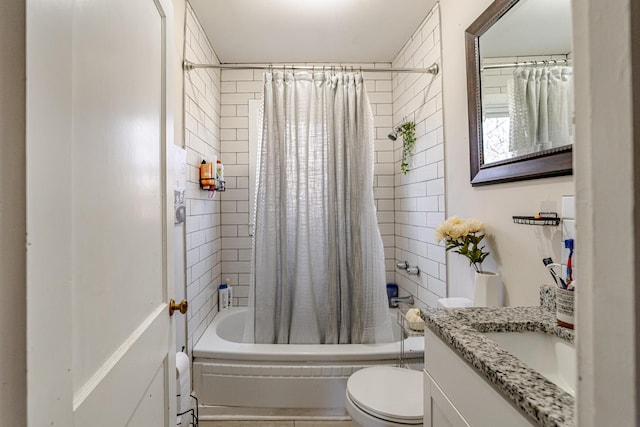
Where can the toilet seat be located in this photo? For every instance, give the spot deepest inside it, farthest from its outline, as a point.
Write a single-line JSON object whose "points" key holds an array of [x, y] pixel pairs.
{"points": [[387, 393], [454, 302]]}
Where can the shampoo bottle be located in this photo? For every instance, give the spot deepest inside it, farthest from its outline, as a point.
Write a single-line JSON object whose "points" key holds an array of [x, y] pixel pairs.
{"points": [[223, 297], [219, 170], [219, 176]]}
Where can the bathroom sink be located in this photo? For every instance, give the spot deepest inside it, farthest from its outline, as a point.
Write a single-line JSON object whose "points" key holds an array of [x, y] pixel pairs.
{"points": [[553, 357]]}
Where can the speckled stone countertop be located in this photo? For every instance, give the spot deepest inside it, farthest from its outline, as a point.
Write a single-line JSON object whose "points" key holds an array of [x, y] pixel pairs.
{"points": [[545, 403]]}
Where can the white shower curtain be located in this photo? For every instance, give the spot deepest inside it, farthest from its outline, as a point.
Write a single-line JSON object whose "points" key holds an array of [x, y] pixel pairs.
{"points": [[318, 263], [540, 108]]}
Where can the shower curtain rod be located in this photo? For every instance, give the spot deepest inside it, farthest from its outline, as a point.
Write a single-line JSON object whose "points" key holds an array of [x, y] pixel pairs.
{"points": [[534, 63], [433, 69]]}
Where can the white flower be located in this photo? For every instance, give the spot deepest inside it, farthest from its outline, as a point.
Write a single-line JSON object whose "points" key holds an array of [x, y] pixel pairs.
{"points": [[474, 225], [464, 237]]}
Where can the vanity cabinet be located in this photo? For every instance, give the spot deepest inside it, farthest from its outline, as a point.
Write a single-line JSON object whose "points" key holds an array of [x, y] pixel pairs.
{"points": [[438, 409], [456, 395]]}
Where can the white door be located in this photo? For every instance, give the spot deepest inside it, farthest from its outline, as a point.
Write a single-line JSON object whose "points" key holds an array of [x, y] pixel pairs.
{"points": [[100, 340]]}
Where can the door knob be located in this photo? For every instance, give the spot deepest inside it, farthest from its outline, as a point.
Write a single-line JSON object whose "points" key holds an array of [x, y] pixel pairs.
{"points": [[181, 306]]}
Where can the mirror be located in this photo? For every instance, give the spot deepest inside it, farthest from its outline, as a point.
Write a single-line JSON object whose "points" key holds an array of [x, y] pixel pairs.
{"points": [[520, 91]]}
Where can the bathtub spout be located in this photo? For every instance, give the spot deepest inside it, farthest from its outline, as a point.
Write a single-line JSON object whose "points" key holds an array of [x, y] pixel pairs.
{"points": [[393, 302]]}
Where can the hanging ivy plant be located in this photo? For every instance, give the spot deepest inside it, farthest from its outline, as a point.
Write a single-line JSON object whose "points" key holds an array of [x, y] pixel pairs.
{"points": [[408, 132]]}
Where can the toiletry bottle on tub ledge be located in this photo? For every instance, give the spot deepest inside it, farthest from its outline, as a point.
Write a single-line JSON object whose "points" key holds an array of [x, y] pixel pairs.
{"points": [[227, 282], [223, 297]]}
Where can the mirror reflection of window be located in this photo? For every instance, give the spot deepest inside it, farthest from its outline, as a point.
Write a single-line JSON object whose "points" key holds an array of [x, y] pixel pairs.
{"points": [[495, 118]]}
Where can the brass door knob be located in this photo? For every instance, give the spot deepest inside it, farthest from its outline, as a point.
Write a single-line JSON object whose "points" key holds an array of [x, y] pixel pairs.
{"points": [[181, 306]]}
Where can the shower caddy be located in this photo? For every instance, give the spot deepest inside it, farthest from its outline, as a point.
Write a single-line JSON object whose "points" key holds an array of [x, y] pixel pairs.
{"points": [[408, 329]]}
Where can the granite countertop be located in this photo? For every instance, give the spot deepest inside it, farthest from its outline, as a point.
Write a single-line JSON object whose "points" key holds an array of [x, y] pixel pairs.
{"points": [[545, 403]]}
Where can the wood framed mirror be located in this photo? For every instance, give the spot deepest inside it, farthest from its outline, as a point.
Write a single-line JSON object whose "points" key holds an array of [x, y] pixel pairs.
{"points": [[520, 91]]}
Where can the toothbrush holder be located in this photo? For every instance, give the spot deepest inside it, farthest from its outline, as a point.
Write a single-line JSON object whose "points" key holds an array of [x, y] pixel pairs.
{"points": [[565, 302]]}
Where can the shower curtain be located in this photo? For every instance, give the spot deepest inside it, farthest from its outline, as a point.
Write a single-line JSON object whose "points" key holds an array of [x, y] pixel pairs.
{"points": [[540, 108], [318, 263]]}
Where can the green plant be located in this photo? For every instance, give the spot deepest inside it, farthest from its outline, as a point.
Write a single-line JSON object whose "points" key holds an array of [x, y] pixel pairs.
{"points": [[408, 132]]}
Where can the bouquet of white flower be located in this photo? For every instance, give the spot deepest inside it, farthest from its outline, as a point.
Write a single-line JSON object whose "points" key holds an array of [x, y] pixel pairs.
{"points": [[464, 236]]}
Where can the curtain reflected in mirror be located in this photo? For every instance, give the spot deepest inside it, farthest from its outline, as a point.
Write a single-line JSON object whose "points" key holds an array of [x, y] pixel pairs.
{"points": [[530, 112]]}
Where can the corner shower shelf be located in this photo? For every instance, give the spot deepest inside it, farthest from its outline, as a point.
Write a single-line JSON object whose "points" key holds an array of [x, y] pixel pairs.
{"points": [[408, 329], [543, 218]]}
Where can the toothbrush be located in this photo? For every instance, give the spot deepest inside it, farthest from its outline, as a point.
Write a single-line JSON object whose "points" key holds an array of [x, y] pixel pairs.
{"points": [[561, 283], [568, 244], [548, 262]]}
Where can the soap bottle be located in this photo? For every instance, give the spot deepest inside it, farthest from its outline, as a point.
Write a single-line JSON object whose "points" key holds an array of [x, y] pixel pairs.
{"points": [[223, 297], [227, 283], [219, 176]]}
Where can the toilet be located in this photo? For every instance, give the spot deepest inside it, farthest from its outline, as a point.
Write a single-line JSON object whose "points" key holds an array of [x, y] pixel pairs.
{"points": [[486, 295], [385, 396]]}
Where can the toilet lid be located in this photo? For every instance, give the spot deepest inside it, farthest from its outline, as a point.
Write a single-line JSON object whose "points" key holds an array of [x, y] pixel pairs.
{"points": [[390, 393]]}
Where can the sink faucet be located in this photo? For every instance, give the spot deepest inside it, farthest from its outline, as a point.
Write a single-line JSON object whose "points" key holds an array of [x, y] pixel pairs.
{"points": [[393, 301]]}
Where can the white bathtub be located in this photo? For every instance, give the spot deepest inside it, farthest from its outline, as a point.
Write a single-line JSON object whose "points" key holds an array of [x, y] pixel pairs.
{"points": [[236, 380]]}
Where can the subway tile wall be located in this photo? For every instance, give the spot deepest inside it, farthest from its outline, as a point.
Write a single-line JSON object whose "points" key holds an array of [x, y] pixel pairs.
{"points": [[237, 87], [201, 137], [420, 194]]}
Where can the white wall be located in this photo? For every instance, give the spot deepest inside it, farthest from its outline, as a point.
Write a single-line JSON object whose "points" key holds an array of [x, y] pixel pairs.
{"points": [[201, 140], [516, 250], [420, 194], [607, 211], [237, 87], [13, 388]]}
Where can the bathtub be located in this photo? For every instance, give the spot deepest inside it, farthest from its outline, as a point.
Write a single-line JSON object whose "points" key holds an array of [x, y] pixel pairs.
{"points": [[237, 380]]}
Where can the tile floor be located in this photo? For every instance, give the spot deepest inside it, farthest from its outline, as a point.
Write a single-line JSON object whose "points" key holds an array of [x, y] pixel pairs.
{"points": [[277, 424]]}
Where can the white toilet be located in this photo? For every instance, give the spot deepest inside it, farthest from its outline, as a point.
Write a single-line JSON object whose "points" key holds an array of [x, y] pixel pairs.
{"points": [[487, 295], [385, 396]]}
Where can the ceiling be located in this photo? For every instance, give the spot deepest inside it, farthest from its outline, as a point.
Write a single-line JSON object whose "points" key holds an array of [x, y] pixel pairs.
{"points": [[531, 27], [281, 31]]}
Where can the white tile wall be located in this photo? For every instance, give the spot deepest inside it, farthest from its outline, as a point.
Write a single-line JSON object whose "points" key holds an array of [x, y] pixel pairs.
{"points": [[203, 231], [419, 195], [236, 88]]}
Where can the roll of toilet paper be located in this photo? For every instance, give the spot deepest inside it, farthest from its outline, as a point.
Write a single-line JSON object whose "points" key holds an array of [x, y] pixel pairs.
{"points": [[183, 382]]}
